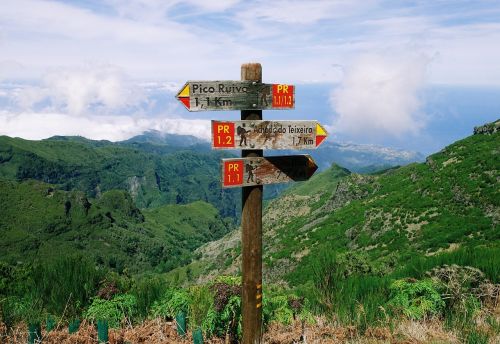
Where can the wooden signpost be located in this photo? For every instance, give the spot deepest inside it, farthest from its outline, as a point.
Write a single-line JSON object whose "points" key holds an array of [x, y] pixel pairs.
{"points": [[240, 172], [253, 170], [236, 95], [267, 134]]}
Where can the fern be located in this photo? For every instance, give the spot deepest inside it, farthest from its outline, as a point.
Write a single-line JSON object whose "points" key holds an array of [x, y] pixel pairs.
{"points": [[415, 299], [114, 311], [173, 302]]}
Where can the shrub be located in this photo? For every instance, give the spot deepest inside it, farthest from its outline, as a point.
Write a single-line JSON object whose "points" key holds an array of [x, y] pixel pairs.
{"points": [[172, 302], [415, 299], [16, 309], [200, 306], [277, 309], [223, 317], [284, 309], [76, 279], [147, 291], [463, 286], [114, 311]]}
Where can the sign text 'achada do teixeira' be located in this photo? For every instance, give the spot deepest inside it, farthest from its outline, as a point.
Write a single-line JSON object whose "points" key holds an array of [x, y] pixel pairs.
{"points": [[240, 172], [267, 134], [236, 95]]}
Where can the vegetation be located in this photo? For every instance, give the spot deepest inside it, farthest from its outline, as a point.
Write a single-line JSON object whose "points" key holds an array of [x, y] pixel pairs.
{"points": [[415, 299], [114, 311], [40, 222], [417, 243], [153, 174], [214, 307], [361, 249]]}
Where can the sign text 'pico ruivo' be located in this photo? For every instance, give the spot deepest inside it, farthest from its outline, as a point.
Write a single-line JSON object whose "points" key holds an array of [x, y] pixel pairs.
{"points": [[236, 95]]}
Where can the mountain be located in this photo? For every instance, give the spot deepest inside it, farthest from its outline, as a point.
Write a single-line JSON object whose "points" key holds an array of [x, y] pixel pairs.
{"points": [[153, 166], [159, 138], [362, 158], [40, 221], [446, 209], [154, 174], [139, 198], [144, 205]]}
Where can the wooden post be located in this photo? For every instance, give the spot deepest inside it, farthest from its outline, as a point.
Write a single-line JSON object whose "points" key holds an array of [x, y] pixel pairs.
{"points": [[251, 233]]}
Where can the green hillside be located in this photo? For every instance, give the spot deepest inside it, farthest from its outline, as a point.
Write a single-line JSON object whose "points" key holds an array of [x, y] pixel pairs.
{"points": [[421, 215], [39, 222], [448, 205], [414, 249], [153, 174]]}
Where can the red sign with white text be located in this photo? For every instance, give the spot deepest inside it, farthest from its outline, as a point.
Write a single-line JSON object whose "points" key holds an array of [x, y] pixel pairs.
{"points": [[233, 172], [283, 96], [223, 134]]}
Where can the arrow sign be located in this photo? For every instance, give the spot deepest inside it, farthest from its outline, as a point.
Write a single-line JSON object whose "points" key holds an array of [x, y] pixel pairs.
{"points": [[267, 134], [236, 95], [269, 170]]}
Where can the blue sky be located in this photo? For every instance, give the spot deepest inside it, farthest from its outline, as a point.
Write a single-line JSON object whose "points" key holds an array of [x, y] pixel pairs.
{"points": [[384, 72]]}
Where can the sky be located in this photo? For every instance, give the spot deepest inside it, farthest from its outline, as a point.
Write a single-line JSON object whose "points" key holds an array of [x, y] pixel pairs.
{"points": [[409, 74]]}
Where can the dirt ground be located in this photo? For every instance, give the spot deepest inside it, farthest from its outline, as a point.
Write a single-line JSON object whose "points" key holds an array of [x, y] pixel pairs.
{"points": [[162, 332]]}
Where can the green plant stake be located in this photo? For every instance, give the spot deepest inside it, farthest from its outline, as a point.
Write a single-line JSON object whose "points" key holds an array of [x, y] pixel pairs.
{"points": [[74, 326], [180, 319], [34, 333], [197, 336], [102, 331], [50, 323]]}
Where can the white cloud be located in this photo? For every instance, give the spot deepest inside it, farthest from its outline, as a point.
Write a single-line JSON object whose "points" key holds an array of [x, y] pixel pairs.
{"points": [[180, 40], [41, 35], [379, 95], [76, 91], [37, 126]]}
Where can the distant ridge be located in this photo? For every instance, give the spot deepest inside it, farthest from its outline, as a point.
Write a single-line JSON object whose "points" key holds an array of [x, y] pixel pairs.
{"points": [[363, 158], [157, 137]]}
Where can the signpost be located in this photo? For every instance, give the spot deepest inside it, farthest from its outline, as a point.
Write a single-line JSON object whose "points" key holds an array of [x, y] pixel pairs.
{"points": [[251, 233], [236, 95], [270, 170], [267, 134], [253, 170]]}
